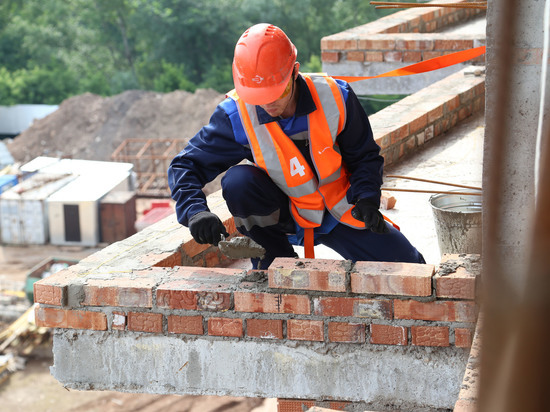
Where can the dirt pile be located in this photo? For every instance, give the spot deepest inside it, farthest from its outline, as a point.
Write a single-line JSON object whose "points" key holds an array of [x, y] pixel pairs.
{"points": [[91, 127]]}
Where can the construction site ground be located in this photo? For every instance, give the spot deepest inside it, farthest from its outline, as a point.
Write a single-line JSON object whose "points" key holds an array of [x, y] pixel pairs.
{"points": [[455, 157]]}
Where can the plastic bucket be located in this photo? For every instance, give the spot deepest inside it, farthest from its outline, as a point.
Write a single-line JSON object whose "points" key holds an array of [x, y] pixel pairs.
{"points": [[457, 222]]}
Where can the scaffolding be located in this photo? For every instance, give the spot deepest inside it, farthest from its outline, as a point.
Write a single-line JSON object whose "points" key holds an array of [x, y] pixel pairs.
{"points": [[151, 158]]}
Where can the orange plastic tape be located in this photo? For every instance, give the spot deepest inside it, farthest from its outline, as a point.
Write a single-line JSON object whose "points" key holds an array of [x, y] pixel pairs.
{"points": [[423, 66]]}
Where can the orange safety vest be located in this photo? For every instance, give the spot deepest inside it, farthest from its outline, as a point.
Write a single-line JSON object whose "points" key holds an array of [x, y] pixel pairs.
{"points": [[276, 154]]}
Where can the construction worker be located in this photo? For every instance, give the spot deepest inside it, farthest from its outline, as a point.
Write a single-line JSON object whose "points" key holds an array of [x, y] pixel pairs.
{"points": [[314, 170]]}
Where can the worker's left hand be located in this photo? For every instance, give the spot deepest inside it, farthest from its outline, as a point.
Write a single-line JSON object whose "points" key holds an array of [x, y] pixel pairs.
{"points": [[367, 212]]}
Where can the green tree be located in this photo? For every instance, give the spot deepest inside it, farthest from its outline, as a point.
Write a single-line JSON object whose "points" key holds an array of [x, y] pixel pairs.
{"points": [[108, 46]]}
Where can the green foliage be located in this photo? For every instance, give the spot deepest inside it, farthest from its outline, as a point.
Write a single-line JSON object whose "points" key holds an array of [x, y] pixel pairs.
{"points": [[52, 49], [314, 65], [172, 77]]}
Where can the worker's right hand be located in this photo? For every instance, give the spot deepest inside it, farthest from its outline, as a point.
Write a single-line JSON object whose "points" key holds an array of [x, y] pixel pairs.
{"points": [[206, 227]]}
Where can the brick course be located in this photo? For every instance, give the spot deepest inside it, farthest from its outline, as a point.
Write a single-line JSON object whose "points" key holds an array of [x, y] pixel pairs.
{"points": [[299, 300]]}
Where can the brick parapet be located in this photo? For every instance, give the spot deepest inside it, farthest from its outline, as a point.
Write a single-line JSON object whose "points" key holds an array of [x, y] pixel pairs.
{"points": [[295, 300], [405, 36], [405, 126]]}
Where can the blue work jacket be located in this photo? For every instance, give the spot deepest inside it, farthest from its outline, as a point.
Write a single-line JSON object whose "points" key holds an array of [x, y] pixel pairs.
{"points": [[223, 143]]}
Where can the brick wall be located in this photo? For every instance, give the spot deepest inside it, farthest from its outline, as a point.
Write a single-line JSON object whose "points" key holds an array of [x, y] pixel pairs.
{"points": [[302, 300], [405, 126], [406, 36]]}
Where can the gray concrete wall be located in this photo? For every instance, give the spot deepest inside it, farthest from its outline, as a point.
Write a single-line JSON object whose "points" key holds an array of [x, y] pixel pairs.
{"points": [[380, 376], [387, 85], [517, 139]]}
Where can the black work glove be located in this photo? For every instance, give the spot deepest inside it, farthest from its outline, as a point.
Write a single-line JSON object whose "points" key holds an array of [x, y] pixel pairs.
{"points": [[366, 211], [206, 227]]}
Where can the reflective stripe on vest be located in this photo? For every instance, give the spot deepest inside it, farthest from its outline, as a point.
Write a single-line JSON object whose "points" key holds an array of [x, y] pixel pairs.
{"points": [[278, 156]]}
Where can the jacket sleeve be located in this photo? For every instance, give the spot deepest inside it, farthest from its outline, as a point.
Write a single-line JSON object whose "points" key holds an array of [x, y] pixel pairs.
{"points": [[360, 152], [210, 152]]}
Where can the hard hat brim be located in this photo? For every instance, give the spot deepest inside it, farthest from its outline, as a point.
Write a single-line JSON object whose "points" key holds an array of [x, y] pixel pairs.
{"points": [[260, 95]]}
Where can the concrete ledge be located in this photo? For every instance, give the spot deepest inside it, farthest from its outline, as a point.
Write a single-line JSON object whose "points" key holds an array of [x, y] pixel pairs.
{"points": [[405, 378]]}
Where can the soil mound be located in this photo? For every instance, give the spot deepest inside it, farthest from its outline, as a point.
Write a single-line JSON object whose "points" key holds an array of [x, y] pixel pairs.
{"points": [[91, 127]]}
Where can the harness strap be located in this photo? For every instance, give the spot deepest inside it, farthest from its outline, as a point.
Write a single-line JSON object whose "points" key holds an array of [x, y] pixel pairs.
{"points": [[309, 252]]}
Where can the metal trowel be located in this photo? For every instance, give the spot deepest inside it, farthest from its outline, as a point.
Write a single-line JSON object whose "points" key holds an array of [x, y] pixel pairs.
{"points": [[241, 247]]}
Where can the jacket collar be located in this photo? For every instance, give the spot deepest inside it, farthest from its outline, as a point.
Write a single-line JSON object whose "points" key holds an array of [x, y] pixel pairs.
{"points": [[305, 104]]}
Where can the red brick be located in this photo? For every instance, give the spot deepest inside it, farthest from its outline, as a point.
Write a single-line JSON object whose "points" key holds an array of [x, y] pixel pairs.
{"points": [[444, 311], [479, 90], [452, 104], [145, 322], [205, 289], [225, 327], [50, 317], [62, 318], [388, 334], [466, 96], [294, 405], [177, 299], [374, 56], [391, 278], [431, 26], [53, 289], [463, 337], [346, 332], [272, 303], [412, 56], [435, 114], [356, 307], [305, 330], [453, 44], [400, 133], [456, 286], [50, 294], [134, 292], [355, 56], [393, 56], [265, 328], [418, 123], [330, 57], [376, 44], [212, 259], [430, 335], [465, 112], [414, 45], [190, 325], [119, 321], [387, 201], [308, 274], [192, 248], [83, 319]]}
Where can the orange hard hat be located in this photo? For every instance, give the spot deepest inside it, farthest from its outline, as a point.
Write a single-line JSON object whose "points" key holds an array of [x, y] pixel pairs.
{"points": [[263, 63]]}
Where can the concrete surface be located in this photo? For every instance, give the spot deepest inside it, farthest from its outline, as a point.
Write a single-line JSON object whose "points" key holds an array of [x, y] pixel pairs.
{"points": [[405, 377]]}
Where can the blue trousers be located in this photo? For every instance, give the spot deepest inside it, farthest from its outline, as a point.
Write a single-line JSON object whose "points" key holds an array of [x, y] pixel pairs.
{"points": [[261, 212]]}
